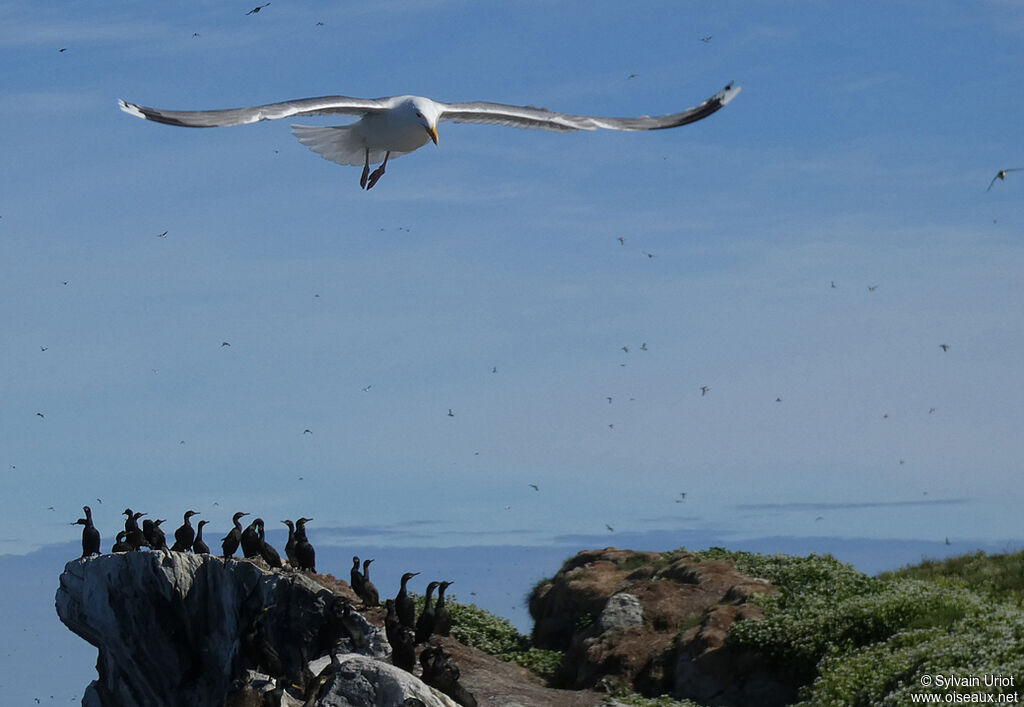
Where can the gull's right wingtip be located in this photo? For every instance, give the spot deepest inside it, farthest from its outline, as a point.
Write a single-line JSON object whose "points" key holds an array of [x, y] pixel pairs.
{"points": [[130, 108]]}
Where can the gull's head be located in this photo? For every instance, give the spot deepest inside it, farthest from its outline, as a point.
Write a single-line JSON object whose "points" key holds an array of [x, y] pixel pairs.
{"points": [[425, 113]]}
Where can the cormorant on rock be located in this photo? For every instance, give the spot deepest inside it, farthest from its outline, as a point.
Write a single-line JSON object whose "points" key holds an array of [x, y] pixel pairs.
{"points": [[90, 536], [251, 544], [133, 534], [185, 535], [289, 547], [425, 623], [403, 649], [304, 552], [258, 651], [199, 546], [157, 539], [441, 673], [391, 622], [352, 627], [356, 579], [230, 542], [442, 617], [370, 595], [267, 552], [404, 604], [120, 544]]}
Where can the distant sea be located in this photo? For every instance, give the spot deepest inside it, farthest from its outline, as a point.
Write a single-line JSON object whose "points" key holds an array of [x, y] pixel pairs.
{"points": [[41, 659]]}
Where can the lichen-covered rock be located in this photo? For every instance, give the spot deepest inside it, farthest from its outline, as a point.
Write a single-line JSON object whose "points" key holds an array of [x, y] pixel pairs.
{"points": [[358, 681]]}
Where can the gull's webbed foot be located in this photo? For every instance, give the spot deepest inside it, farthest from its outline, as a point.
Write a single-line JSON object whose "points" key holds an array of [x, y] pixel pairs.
{"points": [[366, 170], [378, 173]]}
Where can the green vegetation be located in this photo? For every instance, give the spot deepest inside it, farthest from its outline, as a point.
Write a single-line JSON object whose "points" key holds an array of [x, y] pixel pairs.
{"points": [[998, 576], [850, 639], [492, 634]]}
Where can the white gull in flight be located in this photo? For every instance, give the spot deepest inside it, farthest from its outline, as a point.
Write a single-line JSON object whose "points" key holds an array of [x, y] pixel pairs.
{"points": [[390, 127]]}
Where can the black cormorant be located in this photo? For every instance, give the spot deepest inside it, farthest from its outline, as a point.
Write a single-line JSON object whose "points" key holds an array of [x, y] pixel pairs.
{"points": [[251, 544], [267, 552], [230, 542], [120, 544], [370, 595], [199, 546], [391, 622], [403, 649], [304, 552], [185, 535], [133, 534], [425, 623], [90, 536], [157, 539], [442, 617], [404, 605], [355, 578], [439, 672], [289, 547]]}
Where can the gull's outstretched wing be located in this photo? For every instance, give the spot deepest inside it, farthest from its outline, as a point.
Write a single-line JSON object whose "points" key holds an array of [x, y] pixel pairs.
{"points": [[324, 105], [543, 119]]}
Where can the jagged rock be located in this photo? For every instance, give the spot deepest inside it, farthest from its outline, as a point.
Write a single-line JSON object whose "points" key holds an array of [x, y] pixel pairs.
{"points": [[358, 681], [173, 628], [655, 624]]}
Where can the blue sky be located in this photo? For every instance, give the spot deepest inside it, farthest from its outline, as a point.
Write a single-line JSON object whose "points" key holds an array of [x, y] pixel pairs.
{"points": [[485, 275]]}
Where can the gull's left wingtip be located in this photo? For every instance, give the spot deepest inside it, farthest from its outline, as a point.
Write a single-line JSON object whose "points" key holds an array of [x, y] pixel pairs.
{"points": [[728, 93], [130, 108]]}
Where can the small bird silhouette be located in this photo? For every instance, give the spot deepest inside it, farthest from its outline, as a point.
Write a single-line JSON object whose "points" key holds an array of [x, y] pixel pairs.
{"points": [[872, 288], [162, 235], [610, 528], [534, 487], [367, 388], [41, 415], [643, 346], [224, 343], [944, 347], [307, 431], [706, 39], [450, 413], [256, 9], [1001, 174], [43, 348], [704, 390], [626, 349], [622, 240]]}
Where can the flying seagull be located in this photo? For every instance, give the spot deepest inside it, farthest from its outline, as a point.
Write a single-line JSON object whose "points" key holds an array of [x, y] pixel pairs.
{"points": [[391, 127], [255, 10], [1001, 174]]}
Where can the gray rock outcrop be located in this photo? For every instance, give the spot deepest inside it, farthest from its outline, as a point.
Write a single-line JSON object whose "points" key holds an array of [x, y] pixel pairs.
{"points": [[179, 629]]}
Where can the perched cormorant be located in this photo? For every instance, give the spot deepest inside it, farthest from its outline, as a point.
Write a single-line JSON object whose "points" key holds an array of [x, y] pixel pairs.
{"points": [[258, 651], [404, 605], [352, 626], [425, 623], [442, 617], [356, 579], [251, 544], [185, 535], [157, 539], [305, 555], [90, 536], [120, 544], [403, 649], [230, 542], [199, 546], [391, 622], [267, 552], [289, 547], [370, 595], [439, 672], [133, 534]]}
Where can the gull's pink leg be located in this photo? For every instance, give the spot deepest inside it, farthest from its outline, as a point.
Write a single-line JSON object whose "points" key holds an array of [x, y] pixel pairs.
{"points": [[379, 172]]}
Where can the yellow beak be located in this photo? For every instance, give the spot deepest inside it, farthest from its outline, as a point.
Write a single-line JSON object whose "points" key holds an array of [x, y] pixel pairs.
{"points": [[432, 131]]}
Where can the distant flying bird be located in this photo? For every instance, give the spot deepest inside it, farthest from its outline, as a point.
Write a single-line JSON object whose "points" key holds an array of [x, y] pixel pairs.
{"points": [[43, 348], [626, 349], [256, 9], [706, 39], [195, 34], [1001, 174], [610, 528], [643, 346], [609, 399], [319, 24], [450, 413], [162, 235], [872, 288], [396, 125], [494, 369], [367, 388], [947, 541], [833, 284], [621, 240], [649, 255], [931, 410], [41, 415], [704, 390], [535, 487], [944, 347], [224, 343], [62, 50], [307, 431]]}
